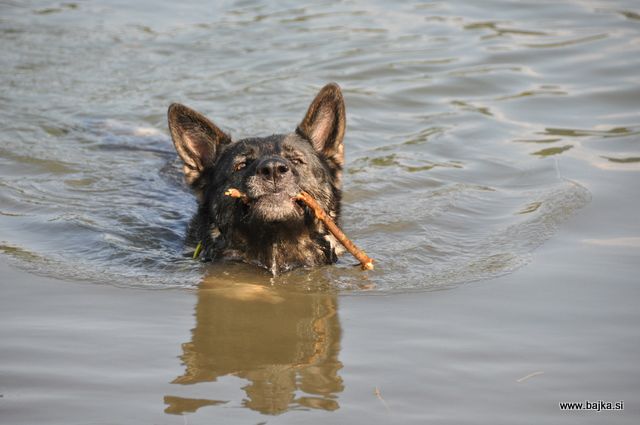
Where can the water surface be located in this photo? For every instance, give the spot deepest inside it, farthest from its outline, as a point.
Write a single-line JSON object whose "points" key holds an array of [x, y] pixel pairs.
{"points": [[492, 143]]}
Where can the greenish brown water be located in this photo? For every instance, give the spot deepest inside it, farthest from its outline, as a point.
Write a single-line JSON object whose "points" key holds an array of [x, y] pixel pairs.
{"points": [[492, 171]]}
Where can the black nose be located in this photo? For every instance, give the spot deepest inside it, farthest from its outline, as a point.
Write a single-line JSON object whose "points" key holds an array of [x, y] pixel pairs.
{"points": [[273, 168]]}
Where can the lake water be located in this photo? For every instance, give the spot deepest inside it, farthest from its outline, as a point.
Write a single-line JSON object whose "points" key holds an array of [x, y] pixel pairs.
{"points": [[492, 154]]}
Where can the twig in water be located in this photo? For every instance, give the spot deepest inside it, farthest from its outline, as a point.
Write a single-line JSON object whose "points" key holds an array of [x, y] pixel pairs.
{"points": [[531, 375], [376, 391]]}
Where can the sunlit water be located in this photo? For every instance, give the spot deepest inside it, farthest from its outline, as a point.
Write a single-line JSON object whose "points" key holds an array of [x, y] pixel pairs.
{"points": [[476, 133], [457, 126]]}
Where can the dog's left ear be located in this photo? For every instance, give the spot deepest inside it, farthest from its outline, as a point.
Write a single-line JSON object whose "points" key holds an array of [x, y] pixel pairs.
{"points": [[325, 122], [196, 139]]}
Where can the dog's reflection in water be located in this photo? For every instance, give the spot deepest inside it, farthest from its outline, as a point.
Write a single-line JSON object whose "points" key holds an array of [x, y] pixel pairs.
{"points": [[285, 343]]}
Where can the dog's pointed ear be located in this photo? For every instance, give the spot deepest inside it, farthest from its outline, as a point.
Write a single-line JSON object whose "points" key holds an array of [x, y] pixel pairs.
{"points": [[325, 123], [196, 139]]}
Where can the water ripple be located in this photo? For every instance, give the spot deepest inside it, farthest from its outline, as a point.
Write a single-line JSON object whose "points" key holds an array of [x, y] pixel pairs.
{"points": [[458, 116]]}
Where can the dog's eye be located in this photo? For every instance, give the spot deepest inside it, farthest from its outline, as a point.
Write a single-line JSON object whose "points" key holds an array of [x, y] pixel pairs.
{"points": [[296, 161], [239, 166]]}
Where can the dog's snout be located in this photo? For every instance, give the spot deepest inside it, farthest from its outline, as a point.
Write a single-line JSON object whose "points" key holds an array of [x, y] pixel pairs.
{"points": [[273, 168]]}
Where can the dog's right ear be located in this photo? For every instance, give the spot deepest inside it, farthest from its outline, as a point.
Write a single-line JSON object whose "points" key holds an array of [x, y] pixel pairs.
{"points": [[197, 140]]}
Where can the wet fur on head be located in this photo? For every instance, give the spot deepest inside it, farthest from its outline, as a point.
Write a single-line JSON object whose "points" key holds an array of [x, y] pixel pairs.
{"points": [[271, 230]]}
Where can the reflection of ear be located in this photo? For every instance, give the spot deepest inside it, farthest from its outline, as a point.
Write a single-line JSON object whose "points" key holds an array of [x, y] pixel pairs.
{"points": [[325, 122], [195, 138]]}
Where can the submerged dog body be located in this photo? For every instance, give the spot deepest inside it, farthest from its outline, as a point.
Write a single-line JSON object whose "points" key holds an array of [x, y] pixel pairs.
{"points": [[271, 230]]}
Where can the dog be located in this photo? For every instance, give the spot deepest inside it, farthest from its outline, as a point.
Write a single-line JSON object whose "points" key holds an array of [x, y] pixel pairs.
{"points": [[271, 230]]}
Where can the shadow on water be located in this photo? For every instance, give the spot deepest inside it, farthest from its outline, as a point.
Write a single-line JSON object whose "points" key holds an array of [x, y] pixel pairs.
{"points": [[284, 343]]}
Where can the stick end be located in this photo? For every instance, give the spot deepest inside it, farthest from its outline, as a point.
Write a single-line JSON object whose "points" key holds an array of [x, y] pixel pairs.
{"points": [[368, 265]]}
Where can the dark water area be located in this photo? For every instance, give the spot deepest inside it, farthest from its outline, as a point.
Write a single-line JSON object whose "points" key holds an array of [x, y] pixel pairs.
{"points": [[492, 160]]}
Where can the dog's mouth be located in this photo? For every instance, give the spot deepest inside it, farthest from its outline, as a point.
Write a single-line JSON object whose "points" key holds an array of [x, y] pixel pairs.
{"points": [[276, 207]]}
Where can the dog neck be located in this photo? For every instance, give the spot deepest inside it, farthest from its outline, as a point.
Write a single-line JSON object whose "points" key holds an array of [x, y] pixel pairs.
{"points": [[276, 247], [280, 248]]}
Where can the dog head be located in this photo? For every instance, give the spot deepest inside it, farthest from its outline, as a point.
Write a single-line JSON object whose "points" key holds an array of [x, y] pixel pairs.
{"points": [[270, 171]]}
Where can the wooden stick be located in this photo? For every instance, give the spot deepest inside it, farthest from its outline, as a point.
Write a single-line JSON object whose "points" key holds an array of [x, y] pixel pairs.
{"points": [[366, 262], [235, 193]]}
